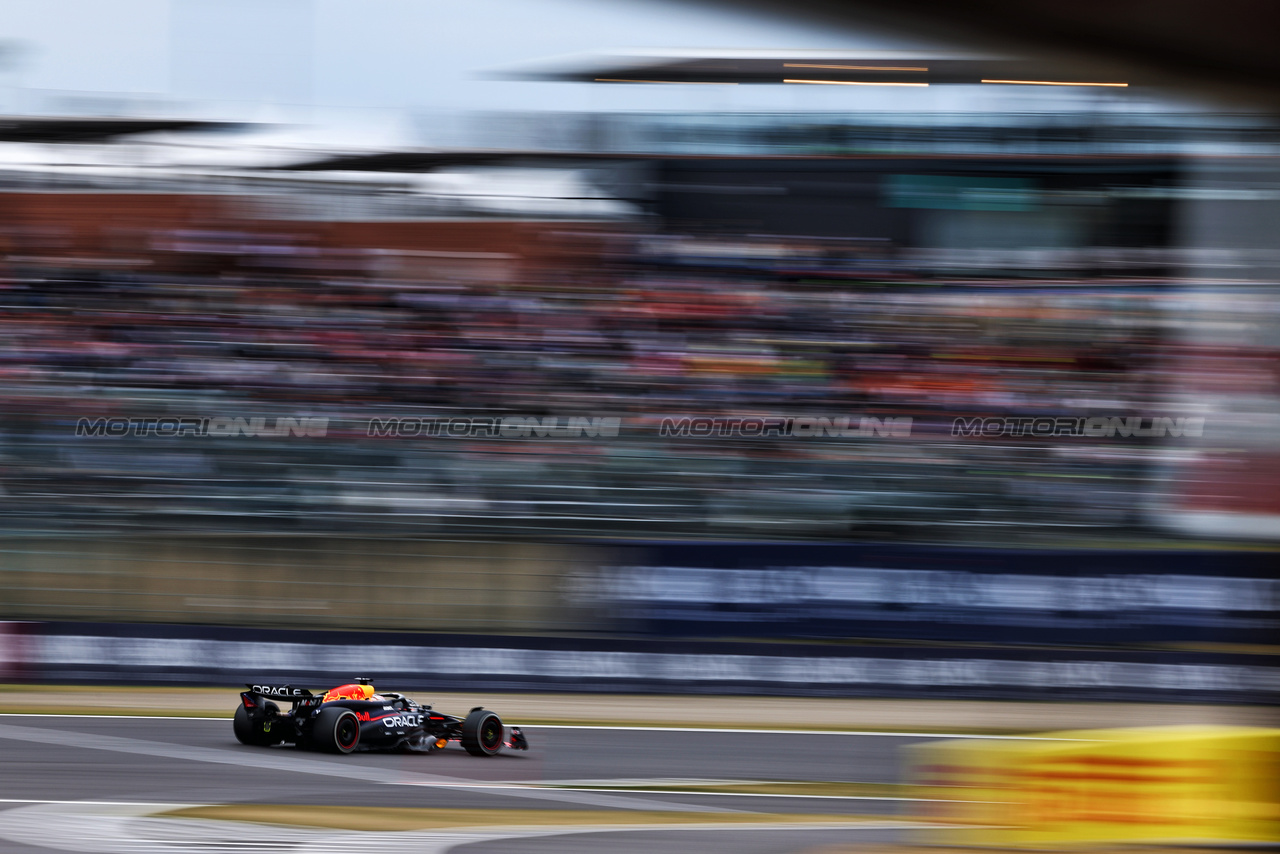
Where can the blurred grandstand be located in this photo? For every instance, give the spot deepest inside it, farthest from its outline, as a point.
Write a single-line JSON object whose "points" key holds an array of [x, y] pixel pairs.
{"points": [[886, 269]]}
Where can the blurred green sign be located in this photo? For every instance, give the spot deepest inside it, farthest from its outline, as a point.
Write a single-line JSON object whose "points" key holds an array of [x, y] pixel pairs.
{"points": [[959, 193]]}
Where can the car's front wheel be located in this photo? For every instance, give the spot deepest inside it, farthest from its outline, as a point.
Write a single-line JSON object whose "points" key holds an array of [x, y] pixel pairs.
{"points": [[482, 733], [336, 730]]}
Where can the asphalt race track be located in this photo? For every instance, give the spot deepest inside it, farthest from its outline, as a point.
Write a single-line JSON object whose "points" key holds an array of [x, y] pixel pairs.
{"points": [[86, 784]]}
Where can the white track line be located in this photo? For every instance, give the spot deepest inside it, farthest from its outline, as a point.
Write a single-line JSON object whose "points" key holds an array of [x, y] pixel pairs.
{"points": [[134, 829], [762, 731]]}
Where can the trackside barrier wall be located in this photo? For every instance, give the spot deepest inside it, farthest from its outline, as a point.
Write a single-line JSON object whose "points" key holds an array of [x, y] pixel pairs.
{"points": [[937, 593], [657, 589], [12, 651], [291, 581], [1179, 785], [210, 655]]}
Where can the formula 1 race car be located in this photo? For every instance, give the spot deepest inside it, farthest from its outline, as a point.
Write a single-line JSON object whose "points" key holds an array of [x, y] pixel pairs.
{"points": [[355, 717]]}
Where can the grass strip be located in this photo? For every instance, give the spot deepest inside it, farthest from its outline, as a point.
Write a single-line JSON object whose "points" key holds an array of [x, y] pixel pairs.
{"points": [[763, 787], [415, 818]]}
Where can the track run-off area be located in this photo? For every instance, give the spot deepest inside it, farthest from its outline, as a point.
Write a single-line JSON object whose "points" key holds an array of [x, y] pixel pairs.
{"points": [[164, 784], [796, 783]]}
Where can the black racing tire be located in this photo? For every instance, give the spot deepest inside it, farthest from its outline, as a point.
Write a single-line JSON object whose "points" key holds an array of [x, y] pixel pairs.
{"points": [[247, 732], [482, 733], [336, 730], [243, 726]]}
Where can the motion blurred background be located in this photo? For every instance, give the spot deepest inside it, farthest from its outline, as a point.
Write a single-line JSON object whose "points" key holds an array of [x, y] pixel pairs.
{"points": [[345, 240]]}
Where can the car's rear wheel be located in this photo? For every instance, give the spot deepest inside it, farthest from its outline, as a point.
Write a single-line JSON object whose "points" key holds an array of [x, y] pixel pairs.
{"points": [[254, 733], [243, 726], [482, 733], [336, 730]]}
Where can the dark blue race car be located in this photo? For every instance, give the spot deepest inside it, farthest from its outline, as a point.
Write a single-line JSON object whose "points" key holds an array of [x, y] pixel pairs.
{"points": [[356, 717]]}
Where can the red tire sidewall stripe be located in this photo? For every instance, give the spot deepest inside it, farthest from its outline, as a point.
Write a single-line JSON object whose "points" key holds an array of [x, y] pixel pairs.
{"points": [[351, 716]]}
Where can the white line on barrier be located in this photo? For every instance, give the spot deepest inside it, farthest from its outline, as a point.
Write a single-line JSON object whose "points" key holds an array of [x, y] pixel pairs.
{"points": [[90, 803], [110, 717]]}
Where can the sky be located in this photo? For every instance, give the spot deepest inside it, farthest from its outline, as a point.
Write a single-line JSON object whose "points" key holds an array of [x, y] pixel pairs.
{"points": [[418, 63]]}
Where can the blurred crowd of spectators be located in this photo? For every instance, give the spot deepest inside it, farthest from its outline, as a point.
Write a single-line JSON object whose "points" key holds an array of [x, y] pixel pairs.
{"points": [[242, 325]]}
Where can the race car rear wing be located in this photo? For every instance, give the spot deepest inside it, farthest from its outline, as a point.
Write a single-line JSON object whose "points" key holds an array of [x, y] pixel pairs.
{"points": [[282, 692]]}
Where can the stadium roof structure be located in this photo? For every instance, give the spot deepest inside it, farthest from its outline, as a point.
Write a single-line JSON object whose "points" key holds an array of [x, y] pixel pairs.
{"points": [[60, 129], [426, 160], [1222, 51], [848, 68]]}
